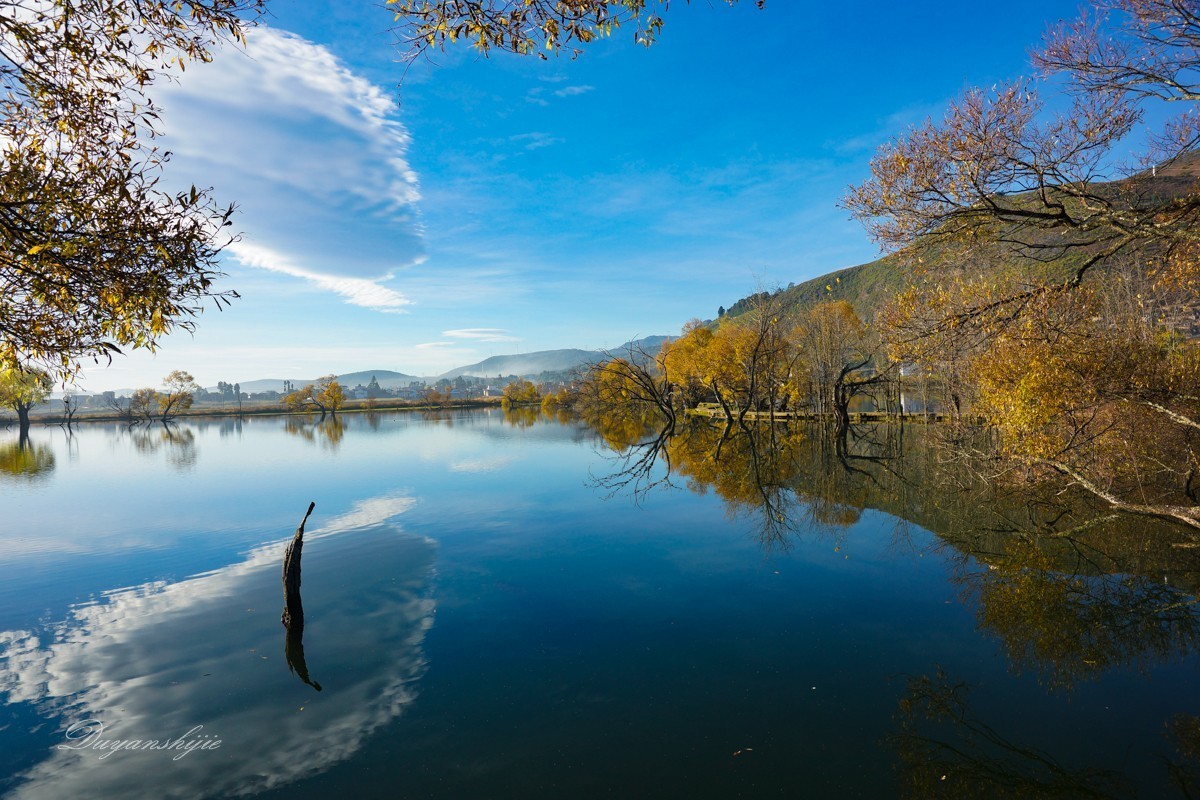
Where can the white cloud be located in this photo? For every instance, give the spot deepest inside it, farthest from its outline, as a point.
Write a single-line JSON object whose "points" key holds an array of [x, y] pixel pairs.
{"points": [[435, 345], [357, 291], [481, 334], [312, 154]]}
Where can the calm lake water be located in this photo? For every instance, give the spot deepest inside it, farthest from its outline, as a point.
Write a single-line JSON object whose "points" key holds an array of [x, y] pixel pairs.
{"points": [[490, 614]]}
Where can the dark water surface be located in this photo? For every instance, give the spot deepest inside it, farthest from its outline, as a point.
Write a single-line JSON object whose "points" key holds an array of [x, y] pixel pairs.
{"points": [[484, 621]]}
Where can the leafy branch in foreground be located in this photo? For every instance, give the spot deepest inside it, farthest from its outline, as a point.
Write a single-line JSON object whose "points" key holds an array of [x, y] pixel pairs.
{"points": [[94, 254], [523, 27]]}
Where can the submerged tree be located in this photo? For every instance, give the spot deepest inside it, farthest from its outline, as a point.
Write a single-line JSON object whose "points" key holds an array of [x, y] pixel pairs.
{"points": [[142, 404]]}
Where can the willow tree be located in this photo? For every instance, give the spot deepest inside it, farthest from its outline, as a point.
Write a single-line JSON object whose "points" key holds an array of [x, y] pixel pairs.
{"points": [[95, 255], [1039, 203]]}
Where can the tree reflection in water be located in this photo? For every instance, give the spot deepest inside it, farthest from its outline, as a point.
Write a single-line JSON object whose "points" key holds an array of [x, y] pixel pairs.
{"points": [[178, 444], [787, 479], [1071, 591], [945, 751], [25, 460], [522, 416], [328, 432], [1066, 626]]}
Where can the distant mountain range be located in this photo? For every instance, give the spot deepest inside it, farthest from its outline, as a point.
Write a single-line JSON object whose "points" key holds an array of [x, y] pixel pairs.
{"points": [[526, 364], [531, 364], [387, 380]]}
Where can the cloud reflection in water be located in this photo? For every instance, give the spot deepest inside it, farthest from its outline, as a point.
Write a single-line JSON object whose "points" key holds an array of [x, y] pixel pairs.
{"points": [[156, 660]]}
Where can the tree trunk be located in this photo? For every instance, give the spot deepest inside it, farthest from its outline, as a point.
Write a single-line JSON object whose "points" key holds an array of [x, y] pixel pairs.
{"points": [[293, 608], [721, 400]]}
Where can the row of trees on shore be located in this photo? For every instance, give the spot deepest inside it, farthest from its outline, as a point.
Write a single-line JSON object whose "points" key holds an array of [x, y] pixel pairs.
{"points": [[23, 389], [1096, 387]]}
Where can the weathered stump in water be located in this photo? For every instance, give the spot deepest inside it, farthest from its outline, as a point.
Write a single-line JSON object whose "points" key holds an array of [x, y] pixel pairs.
{"points": [[293, 608]]}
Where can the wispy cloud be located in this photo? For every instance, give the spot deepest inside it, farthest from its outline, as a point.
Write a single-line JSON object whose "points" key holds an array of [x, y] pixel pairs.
{"points": [[435, 345], [356, 291], [573, 91], [313, 155], [481, 334], [535, 140], [537, 95]]}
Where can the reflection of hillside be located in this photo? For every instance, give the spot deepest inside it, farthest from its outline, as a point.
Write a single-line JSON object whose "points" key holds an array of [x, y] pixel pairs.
{"points": [[154, 661]]}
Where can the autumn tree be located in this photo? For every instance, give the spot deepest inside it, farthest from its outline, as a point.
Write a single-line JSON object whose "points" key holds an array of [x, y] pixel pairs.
{"points": [[21, 390], [627, 387], [1078, 386], [744, 364], [690, 358], [434, 397], [143, 403], [330, 394], [94, 254], [761, 352], [521, 391], [838, 359], [326, 395], [178, 392]]}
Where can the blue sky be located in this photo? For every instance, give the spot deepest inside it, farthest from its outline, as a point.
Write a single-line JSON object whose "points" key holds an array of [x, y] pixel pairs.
{"points": [[420, 220]]}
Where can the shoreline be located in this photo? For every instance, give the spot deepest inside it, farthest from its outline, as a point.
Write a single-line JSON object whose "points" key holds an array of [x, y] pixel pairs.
{"points": [[354, 406]]}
